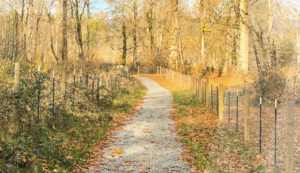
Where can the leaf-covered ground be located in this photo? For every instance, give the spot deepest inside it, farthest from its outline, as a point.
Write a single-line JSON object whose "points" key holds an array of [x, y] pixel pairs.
{"points": [[210, 146]]}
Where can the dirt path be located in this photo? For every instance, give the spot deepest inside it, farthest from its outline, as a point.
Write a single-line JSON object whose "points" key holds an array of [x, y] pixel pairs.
{"points": [[147, 143]]}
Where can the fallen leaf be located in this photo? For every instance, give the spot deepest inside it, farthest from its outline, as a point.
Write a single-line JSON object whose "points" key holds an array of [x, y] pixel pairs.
{"points": [[117, 151]]}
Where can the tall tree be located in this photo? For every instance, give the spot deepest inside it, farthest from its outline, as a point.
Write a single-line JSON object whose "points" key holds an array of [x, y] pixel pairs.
{"points": [[272, 50], [135, 34], [244, 38], [124, 34], [88, 30], [64, 47]]}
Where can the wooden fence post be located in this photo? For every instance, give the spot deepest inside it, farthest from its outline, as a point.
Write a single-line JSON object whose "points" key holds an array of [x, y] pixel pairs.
{"points": [[221, 90], [207, 93], [17, 78], [247, 121], [17, 89], [159, 71], [199, 89], [138, 70], [290, 108]]}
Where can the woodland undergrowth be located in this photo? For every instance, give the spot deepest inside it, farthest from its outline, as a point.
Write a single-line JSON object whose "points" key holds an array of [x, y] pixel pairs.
{"points": [[60, 141]]}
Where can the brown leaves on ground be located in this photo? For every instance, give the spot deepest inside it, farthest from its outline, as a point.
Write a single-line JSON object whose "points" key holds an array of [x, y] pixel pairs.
{"points": [[97, 156], [117, 151], [146, 130], [196, 128]]}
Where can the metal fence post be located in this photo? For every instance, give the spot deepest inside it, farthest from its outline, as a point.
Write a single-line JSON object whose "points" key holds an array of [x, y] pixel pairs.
{"points": [[275, 149], [74, 89], [260, 122], [212, 96], [247, 121], [38, 97], [207, 93], [221, 97], [229, 106], [237, 111], [53, 94]]}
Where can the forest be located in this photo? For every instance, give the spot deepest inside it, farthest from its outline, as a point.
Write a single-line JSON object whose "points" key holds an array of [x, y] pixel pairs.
{"points": [[73, 71]]}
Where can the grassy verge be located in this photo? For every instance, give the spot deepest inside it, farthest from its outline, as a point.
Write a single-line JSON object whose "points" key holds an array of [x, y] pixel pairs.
{"points": [[211, 147], [69, 139]]}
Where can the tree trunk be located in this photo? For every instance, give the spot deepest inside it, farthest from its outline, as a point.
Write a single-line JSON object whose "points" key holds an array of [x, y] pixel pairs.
{"points": [[124, 35], [203, 51], [244, 41], [135, 34], [272, 58], [124, 42], [178, 36], [79, 32], [64, 48], [149, 16], [88, 30]]}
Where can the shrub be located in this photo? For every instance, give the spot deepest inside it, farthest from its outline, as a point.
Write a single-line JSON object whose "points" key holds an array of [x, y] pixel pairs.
{"points": [[270, 85]]}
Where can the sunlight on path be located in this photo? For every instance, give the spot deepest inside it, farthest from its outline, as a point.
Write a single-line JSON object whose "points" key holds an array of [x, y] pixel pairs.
{"points": [[147, 143]]}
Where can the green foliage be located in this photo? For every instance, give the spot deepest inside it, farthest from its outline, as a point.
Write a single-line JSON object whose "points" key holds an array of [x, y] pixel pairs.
{"points": [[59, 142]]}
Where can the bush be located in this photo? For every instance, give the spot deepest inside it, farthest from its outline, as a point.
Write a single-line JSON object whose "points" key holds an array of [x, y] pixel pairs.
{"points": [[270, 85]]}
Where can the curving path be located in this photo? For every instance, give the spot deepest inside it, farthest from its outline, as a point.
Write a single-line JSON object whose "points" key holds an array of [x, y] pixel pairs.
{"points": [[148, 141]]}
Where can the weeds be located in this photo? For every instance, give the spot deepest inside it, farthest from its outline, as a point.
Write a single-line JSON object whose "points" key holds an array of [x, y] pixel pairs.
{"points": [[59, 143]]}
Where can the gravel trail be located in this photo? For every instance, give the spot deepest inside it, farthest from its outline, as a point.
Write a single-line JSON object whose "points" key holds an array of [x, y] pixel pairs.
{"points": [[148, 142]]}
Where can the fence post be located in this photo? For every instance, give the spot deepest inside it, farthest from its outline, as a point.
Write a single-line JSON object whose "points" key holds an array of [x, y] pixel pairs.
{"points": [[207, 93], [17, 89], [38, 98], [17, 78], [107, 82], [53, 94], [195, 81], [93, 86], [86, 84], [290, 108], [138, 70], [212, 95], [247, 121], [229, 106], [74, 89], [217, 106], [199, 89], [237, 111], [98, 87], [275, 149], [81, 80], [221, 97], [160, 71], [260, 122]]}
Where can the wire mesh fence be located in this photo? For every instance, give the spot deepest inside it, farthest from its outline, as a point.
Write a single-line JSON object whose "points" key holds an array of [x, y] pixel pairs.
{"points": [[267, 127], [30, 96]]}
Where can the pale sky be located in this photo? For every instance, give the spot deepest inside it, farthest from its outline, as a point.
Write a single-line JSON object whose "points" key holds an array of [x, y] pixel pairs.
{"points": [[97, 5]]}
